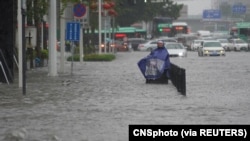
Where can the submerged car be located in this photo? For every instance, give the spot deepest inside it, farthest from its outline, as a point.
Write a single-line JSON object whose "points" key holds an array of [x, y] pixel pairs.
{"points": [[167, 39], [239, 44], [195, 44], [226, 44], [148, 46], [211, 48], [176, 49]]}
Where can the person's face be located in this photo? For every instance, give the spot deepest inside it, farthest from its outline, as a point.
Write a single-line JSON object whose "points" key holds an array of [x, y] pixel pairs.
{"points": [[160, 44]]}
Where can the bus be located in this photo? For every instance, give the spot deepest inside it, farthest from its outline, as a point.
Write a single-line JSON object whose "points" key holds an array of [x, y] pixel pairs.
{"points": [[242, 30], [129, 32], [179, 28], [162, 26], [165, 26]]}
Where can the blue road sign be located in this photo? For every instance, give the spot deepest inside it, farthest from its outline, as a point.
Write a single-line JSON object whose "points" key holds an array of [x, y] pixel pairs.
{"points": [[240, 9], [79, 10], [73, 31], [211, 14]]}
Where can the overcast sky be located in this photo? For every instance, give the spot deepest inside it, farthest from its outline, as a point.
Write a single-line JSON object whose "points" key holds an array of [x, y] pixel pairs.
{"points": [[196, 7]]}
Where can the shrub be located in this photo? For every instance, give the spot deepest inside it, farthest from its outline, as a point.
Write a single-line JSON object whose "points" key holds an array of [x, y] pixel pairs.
{"points": [[44, 54], [75, 58], [99, 57], [93, 57]]}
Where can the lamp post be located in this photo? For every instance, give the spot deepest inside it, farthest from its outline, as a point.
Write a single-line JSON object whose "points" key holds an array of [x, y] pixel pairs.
{"points": [[23, 8], [100, 24]]}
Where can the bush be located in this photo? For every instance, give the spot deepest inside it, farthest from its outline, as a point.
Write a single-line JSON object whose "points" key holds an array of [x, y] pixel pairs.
{"points": [[75, 58], [44, 54], [93, 57], [99, 57]]}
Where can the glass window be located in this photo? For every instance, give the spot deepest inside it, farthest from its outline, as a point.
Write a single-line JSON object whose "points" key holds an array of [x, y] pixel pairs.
{"points": [[212, 44]]}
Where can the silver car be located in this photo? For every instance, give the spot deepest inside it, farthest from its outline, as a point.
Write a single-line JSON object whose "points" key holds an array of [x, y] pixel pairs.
{"points": [[211, 48], [239, 44], [226, 44], [176, 49], [148, 46], [195, 44]]}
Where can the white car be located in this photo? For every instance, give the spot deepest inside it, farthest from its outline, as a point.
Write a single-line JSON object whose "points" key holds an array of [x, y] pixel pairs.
{"points": [[211, 48], [226, 44], [148, 46], [176, 49], [239, 44], [195, 44], [167, 39]]}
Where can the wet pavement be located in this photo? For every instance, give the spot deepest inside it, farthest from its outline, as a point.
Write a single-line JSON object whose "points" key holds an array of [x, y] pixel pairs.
{"points": [[100, 99]]}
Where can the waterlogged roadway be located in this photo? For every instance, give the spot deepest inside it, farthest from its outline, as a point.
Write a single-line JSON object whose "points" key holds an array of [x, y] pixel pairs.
{"points": [[100, 99]]}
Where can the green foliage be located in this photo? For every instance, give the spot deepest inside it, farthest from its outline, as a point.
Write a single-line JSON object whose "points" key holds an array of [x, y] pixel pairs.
{"points": [[99, 57], [75, 58], [89, 49], [142, 11], [44, 54], [77, 50], [65, 3], [93, 57]]}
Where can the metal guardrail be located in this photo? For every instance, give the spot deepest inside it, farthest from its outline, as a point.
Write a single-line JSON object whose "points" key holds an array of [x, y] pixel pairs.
{"points": [[4, 69], [178, 78], [5, 76]]}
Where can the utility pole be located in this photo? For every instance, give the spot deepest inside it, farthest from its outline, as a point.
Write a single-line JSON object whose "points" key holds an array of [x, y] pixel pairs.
{"points": [[52, 38], [23, 3], [20, 55], [100, 24], [62, 41]]}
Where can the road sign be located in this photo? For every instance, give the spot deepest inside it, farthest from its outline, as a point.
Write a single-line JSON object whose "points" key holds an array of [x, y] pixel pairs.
{"points": [[211, 14], [79, 10], [73, 31], [240, 9]]}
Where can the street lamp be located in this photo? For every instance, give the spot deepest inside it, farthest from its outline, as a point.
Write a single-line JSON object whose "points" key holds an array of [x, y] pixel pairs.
{"points": [[100, 25]]}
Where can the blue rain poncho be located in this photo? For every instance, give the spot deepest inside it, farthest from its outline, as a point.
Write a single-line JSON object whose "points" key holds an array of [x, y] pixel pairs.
{"points": [[155, 64]]}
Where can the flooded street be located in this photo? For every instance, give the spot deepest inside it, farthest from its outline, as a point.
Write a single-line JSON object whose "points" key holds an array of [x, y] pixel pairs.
{"points": [[100, 99]]}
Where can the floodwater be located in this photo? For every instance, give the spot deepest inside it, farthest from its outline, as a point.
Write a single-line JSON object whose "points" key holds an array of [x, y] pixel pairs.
{"points": [[100, 99]]}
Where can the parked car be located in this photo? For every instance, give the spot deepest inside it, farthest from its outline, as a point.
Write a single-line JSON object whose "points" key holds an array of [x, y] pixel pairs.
{"points": [[239, 44], [176, 49], [195, 44], [148, 46], [211, 48], [226, 44]]}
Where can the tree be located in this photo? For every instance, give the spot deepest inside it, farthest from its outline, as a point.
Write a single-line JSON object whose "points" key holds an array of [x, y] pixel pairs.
{"points": [[145, 11], [127, 13]]}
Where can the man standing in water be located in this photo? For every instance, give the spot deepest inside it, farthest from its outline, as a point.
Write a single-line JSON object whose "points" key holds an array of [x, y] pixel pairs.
{"points": [[155, 66]]}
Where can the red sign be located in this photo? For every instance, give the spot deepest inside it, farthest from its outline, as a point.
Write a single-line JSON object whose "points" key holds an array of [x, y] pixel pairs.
{"points": [[166, 29], [120, 35], [79, 10], [179, 28]]}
